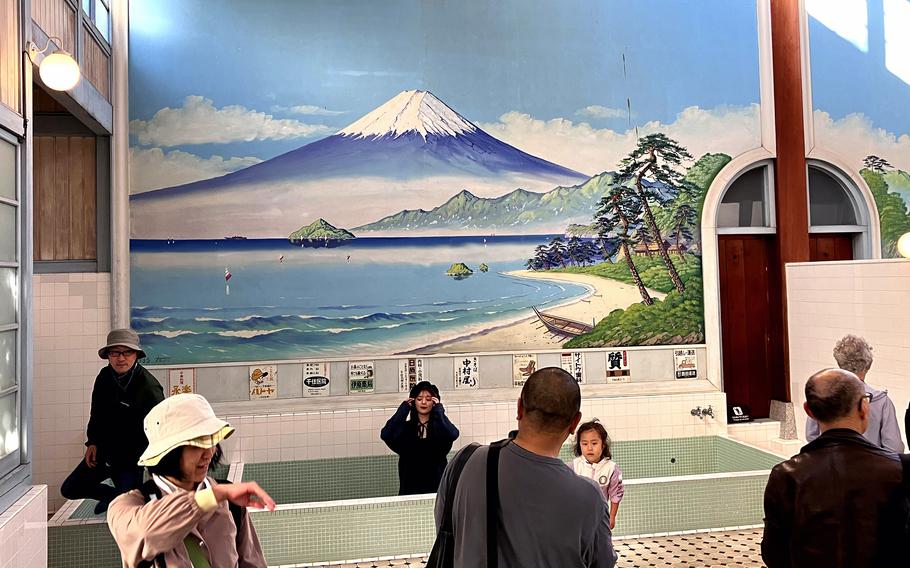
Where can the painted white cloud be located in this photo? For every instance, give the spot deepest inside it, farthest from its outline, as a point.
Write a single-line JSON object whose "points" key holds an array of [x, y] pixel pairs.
{"points": [[854, 137], [590, 150], [153, 168], [314, 110], [598, 111], [198, 121]]}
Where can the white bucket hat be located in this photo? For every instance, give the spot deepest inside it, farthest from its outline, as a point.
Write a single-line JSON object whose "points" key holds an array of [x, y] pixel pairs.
{"points": [[181, 420]]}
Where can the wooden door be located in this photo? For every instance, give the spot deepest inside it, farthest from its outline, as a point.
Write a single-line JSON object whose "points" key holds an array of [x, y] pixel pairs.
{"points": [[751, 322], [836, 246]]}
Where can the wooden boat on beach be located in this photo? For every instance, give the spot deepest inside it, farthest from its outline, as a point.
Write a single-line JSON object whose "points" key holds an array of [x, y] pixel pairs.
{"points": [[562, 326]]}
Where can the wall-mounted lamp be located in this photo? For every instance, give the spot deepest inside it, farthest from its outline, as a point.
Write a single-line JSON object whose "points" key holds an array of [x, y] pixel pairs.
{"points": [[58, 71], [903, 245]]}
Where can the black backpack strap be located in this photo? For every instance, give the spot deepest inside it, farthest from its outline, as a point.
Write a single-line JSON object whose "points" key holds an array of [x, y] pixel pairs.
{"points": [[457, 467], [150, 489], [493, 502]]}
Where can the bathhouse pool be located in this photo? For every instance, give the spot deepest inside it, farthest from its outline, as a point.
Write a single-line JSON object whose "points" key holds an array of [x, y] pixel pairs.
{"points": [[347, 508]]}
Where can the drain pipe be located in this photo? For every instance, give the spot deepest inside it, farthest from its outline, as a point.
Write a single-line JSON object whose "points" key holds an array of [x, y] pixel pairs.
{"points": [[120, 141]]}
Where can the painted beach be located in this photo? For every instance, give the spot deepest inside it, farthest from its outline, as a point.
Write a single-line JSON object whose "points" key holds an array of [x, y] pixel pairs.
{"points": [[372, 296]]}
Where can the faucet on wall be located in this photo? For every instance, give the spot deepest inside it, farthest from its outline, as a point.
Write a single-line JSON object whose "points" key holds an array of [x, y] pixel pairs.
{"points": [[702, 412]]}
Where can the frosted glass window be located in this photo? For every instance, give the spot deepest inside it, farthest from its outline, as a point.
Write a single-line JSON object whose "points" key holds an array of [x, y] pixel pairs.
{"points": [[743, 204], [829, 202], [7, 233], [7, 170], [9, 296], [9, 424], [7, 359]]}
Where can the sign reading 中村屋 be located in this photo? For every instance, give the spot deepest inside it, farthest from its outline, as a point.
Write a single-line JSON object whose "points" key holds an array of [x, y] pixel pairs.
{"points": [[618, 367], [523, 364], [410, 372], [685, 363], [361, 378], [574, 364], [467, 372], [316, 379], [263, 382], [181, 381]]}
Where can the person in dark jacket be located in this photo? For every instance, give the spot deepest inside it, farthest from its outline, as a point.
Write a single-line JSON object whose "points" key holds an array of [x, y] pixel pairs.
{"points": [[421, 434], [123, 394], [841, 502]]}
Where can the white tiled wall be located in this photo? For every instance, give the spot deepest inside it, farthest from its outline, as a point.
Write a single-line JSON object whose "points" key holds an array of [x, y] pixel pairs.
{"points": [[346, 433], [71, 319], [23, 531], [866, 298], [72, 315]]}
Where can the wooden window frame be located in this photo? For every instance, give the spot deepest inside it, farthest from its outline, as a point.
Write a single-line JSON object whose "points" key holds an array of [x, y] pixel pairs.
{"points": [[63, 126]]}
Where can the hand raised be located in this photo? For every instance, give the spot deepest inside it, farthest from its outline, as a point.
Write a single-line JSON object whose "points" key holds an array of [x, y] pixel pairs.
{"points": [[434, 400], [247, 494], [410, 401]]}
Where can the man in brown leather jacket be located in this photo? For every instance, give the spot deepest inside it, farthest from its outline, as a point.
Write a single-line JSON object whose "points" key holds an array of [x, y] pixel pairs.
{"points": [[841, 502]]}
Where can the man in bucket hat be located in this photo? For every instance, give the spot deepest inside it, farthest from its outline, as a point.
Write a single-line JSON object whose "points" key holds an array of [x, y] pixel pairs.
{"points": [[123, 394], [182, 517]]}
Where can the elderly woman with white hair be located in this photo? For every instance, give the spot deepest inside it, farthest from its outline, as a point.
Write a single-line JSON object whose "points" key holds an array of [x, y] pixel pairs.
{"points": [[182, 517], [854, 354]]}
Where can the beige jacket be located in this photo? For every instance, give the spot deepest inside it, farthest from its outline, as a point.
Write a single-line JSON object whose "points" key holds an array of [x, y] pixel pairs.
{"points": [[143, 530]]}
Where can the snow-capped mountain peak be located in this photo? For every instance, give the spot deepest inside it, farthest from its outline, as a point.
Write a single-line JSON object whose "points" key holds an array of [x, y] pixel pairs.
{"points": [[417, 111]]}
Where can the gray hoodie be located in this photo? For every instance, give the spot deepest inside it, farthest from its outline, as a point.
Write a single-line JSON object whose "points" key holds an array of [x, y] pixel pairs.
{"points": [[883, 430]]}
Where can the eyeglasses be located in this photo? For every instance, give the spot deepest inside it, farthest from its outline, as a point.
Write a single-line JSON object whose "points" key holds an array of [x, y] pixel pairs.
{"points": [[120, 353], [868, 396]]}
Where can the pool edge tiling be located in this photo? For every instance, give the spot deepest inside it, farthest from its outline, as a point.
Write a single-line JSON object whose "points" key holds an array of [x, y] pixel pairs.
{"points": [[334, 531]]}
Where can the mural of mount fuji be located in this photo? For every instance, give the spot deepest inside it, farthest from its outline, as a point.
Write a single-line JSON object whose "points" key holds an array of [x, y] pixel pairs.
{"points": [[326, 179], [413, 148]]}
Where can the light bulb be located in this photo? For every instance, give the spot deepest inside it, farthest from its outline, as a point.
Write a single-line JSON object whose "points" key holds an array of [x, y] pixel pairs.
{"points": [[59, 71], [903, 245]]}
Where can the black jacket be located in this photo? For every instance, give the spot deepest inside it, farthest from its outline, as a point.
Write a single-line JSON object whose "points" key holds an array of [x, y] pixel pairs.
{"points": [[118, 408], [841, 502], [421, 461]]}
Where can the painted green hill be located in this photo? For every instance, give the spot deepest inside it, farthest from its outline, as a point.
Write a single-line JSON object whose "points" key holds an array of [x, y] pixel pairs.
{"points": [[899, 182], [319, 230], [892, 207], [515, 210]]}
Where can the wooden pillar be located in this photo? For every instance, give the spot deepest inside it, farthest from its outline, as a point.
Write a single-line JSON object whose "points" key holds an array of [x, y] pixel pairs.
{"points": [[791, 195]]}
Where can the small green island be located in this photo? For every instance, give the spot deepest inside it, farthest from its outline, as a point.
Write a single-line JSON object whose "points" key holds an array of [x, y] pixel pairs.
{"points": [[459, 271], [319, 233]]}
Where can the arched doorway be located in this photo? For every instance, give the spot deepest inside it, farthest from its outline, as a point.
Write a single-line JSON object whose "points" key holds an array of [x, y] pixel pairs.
{"points": [[743, 322], [839, 220], [752, 332]]}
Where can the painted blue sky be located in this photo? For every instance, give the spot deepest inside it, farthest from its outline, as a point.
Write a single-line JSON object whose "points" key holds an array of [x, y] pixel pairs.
{"points": [[547, 59]]}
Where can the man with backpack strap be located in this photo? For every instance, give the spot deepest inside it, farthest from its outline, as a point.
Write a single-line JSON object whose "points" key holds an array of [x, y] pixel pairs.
{"points": [[545, 515]]}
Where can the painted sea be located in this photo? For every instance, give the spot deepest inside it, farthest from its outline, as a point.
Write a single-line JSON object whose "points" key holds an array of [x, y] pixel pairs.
{"points": [[374, 296]]}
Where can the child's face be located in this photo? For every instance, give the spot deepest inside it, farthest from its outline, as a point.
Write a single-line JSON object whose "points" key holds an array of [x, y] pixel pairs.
{"points": [[592, 447]]}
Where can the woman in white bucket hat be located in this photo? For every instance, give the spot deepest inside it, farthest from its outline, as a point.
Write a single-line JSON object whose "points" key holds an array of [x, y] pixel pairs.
{"points": [[182, 517]]}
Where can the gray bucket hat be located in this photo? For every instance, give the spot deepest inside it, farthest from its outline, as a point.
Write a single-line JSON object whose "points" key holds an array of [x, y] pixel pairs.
{"points": [[122, 338]]}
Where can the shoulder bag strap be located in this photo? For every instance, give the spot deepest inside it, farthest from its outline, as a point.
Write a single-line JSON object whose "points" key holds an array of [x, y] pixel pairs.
{"points": [[493, 503], [457, 467]]}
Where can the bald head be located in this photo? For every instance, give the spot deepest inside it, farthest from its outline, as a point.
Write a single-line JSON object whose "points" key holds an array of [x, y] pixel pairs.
{"points": [[833, 394], [551, 400]]}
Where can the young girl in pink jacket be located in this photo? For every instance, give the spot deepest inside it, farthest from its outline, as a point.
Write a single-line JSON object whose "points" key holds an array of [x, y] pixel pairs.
{"points": [[594, 460]]}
